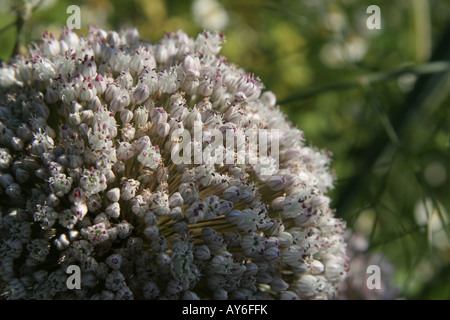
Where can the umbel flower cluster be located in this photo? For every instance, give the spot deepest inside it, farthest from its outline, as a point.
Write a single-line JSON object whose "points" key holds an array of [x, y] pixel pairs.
{"points": [[87, 178]]}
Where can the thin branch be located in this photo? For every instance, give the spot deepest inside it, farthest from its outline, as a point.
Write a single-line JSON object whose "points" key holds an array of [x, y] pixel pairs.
{"points": [[365, 80]]}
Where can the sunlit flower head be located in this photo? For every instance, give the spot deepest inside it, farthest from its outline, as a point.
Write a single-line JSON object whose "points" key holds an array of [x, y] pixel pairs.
{"points": [[90, 128]]}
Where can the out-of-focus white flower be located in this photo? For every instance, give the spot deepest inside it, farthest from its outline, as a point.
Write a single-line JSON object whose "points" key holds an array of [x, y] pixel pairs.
{"points": [[210, 14], [434, 216], [337, 54]]}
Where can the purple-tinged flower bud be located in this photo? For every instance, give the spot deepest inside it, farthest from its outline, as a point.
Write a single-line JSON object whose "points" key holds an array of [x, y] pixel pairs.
{"points": [[202, 253], [141, 94], [120, 101], [232, 194], [87, 92], [234, 217], [112, 91], [99, 84], [126, 116], [205, 88], [176, 200], [162, 129], [88, 67], [158, 115], [276, 183]]}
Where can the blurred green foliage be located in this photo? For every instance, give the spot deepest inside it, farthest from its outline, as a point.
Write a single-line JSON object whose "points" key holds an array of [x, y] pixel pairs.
{"points": [[378, 99]]}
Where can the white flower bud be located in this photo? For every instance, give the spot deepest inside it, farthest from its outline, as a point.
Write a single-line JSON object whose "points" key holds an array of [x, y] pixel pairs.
{"points": [[234, 217], [195, 212], [62, 242], [152, 232], [41, 143], [113, 194], [51, 96], [285, 239], [176, 214], [13, 190], [113, 210], [112, 91], [150, 219], [120, 101], [79, 209], [21, 175], [316, 267], [74, 119], [74, 235], [289, 295], [17, 144], [309, 285], [272, 254], [150, 157], [125, 151], [158, 115], [202, 253], [163, 259], [162, 129], [161, 54], [52, 200], [113, 38], [174, 287], [87, 92], [128, 132], [5, 159], [141, 94], [205, 88], [192, 66], [88, 67], [142, 143], [140, 117], [126, 116], [99, 84], [176, 200], [232, 194], [24, 132], [41, 173], [278, 203], [276, 183], [189, 295], [129, 189], [220, 294]]}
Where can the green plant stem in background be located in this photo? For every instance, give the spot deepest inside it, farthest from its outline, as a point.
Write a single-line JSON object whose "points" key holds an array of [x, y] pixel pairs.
{"points": [[425, 94], [364, 80]]}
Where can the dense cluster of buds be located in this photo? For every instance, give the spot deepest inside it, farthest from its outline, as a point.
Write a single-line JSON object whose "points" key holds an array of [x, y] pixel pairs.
{"points": [[87, 139]]}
